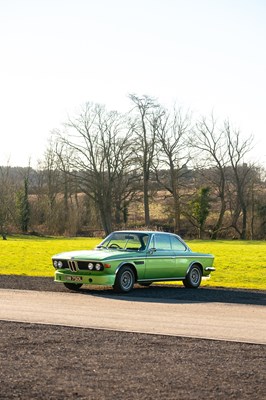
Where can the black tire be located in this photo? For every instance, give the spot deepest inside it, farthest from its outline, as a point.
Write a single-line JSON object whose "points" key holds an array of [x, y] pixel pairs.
{"points": [[193, 278], [124, 280], [73, 286]]}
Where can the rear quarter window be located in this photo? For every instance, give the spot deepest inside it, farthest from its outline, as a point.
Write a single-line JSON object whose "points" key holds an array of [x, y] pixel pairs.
{"points": [[162, 242], [177, 245]]}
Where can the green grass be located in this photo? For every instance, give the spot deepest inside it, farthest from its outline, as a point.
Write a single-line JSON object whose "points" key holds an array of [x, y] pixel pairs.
{"points": [[32, 256], [238, 264]]}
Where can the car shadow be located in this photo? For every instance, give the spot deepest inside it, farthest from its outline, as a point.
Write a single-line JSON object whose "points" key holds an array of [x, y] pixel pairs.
{"points": [[154, 293], [174, 294]]}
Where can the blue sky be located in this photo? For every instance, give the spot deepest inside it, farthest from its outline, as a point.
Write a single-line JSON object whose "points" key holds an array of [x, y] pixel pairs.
{"points": [[205, 55]]}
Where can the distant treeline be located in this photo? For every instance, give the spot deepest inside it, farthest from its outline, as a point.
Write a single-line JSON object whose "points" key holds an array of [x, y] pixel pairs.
{"points": [[149, 168]]}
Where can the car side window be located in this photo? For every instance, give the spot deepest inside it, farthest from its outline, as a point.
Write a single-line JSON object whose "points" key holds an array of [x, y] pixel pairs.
{"points": [[177, 245], [162, 242]]}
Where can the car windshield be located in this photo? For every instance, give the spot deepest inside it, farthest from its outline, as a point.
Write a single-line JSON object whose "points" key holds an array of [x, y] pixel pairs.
{"points": [[126, 241]]}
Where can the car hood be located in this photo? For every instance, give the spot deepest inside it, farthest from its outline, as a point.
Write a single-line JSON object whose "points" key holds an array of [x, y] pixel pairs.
{"points": [[97, 255]]}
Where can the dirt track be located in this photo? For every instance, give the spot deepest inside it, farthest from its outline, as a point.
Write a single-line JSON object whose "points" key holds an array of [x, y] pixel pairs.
{"points": [[50, 362]]}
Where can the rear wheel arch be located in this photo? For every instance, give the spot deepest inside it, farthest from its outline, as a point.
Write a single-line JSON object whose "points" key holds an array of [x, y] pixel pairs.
{"points": [[193, 276], [193, 264]]}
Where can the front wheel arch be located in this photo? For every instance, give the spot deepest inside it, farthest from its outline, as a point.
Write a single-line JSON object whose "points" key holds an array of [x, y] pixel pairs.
{"points": [[127, 264], [126, 277]]}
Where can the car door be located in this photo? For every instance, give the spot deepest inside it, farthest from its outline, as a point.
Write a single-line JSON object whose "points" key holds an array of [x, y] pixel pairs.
{"points": [[160, 259]]}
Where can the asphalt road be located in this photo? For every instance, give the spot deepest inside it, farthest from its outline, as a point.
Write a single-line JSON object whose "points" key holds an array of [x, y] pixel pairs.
{"points": [[220, 321]]}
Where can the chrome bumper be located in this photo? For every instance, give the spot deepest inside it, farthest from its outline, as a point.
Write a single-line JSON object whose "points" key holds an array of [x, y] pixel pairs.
{"points": [[209, 269]]}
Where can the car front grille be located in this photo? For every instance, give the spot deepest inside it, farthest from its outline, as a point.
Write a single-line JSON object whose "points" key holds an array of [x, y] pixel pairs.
{"points": [[74, 266]]}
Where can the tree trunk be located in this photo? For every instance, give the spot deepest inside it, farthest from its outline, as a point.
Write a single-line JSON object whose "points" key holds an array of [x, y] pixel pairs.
{"points": [[105, 210], [243, 235], [106, 221], [219, 222], [174, 184], [146, 199]]}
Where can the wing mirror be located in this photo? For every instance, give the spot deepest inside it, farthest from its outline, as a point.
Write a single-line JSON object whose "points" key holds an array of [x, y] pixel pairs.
{"points": [[152, 250]]}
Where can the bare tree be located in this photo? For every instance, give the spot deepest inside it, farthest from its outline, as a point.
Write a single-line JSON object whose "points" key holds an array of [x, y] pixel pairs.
{"points": [[145, 128], [211, 143], [241, 176], [71, 206], [24, 205], [48, 208], [99, 156], [51, 174], [173, 155]]}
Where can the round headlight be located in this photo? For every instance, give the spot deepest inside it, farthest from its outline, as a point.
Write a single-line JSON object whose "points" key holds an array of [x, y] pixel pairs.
{"points": [[60, 264], [98, 267], [55, 263], [90, 266]]}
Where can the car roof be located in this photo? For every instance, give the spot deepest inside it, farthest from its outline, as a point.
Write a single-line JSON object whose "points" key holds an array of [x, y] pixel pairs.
{"points": [[144, 232]]}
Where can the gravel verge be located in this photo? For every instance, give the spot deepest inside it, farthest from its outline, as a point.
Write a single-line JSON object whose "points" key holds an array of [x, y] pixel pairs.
{"points": [[55, 362]]}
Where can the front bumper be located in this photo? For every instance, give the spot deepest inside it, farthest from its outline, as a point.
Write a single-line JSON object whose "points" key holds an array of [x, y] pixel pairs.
{"points": [[67, 277]]}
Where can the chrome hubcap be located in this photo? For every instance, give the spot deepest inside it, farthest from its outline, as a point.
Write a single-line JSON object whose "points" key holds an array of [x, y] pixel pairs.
{"points": [[195, 276], [126, 280]]}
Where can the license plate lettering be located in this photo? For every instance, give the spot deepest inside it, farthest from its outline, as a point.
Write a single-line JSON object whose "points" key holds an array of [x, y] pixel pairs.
{"points": [[73, 278]]}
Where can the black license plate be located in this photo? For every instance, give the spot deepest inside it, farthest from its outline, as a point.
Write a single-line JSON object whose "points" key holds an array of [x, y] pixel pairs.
{"points": [[73, 278]]}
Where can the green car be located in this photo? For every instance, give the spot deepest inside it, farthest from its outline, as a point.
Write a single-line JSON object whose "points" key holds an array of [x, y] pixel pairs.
{"points": [[127, 257]]}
